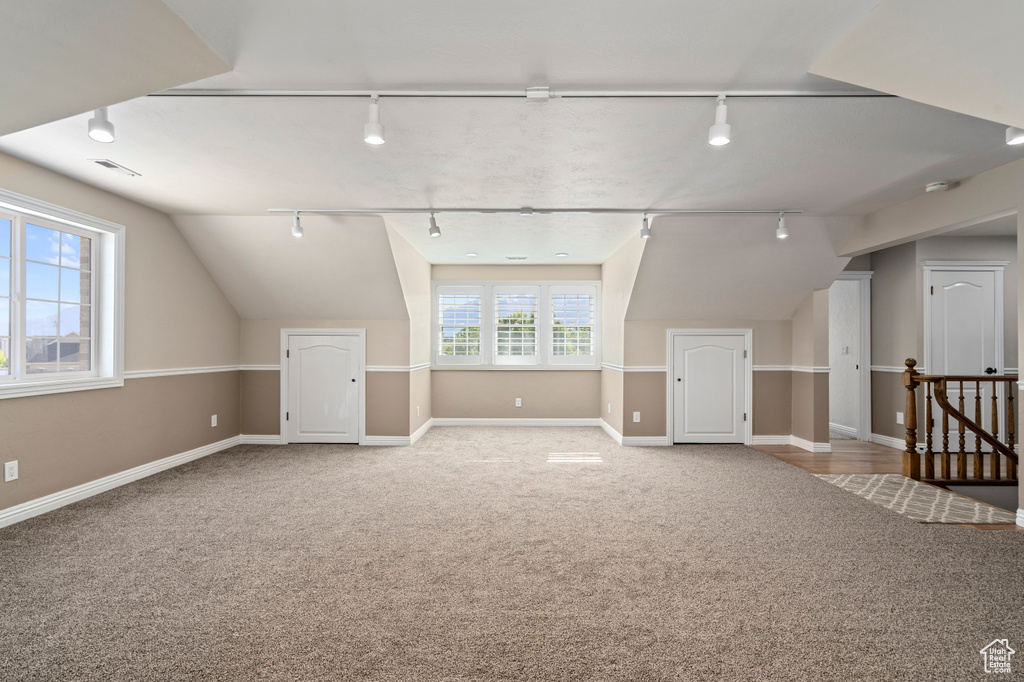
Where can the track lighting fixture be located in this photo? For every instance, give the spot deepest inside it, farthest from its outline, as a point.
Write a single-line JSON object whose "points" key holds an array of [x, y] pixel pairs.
{"points": [[435, 231], [296, 226], [781, 232], [645, 229], [100, 128], [721, 131], [1014, 135], [373, 132]]}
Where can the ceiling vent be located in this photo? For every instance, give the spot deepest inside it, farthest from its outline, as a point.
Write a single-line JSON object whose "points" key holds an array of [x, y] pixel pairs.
{"points": [[515, 257], [107, 163]]}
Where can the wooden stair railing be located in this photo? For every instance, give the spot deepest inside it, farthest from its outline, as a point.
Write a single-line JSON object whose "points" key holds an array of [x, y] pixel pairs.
{"points": [[937, 387]]}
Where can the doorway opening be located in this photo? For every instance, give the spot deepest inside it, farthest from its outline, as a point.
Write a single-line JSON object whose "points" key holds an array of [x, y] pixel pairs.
{"points": [[849, 341]]}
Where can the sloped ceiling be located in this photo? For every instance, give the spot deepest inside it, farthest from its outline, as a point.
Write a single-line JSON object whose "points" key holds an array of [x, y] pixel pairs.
{"points": [[733, 267], [342, 269], [961, 56], [63, 57]]}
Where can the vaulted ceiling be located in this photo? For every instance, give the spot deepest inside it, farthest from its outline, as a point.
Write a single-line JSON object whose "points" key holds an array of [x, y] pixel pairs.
{"points": [[212, 160]]}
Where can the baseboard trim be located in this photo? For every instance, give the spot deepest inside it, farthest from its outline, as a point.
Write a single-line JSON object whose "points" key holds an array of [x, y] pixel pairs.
{"points": [[1020, 517], [845, 430], [610, 430], [260, 439], [644, 441], [447, 421], [388, 440], [41, 505], [418, 433], [889, 441], [796, 441]]}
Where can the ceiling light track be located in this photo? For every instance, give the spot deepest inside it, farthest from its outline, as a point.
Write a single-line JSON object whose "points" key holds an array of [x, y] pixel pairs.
{"points": [[524, 93], [533, 211]]}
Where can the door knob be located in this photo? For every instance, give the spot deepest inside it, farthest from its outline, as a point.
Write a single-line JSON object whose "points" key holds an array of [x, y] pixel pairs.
{"points": [[678, 379], [353, 381], [990, 370]]}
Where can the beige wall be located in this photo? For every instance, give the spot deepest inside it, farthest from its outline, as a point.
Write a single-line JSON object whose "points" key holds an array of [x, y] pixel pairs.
{"points": [[646, 340], [387, 341], [387, 403], [104, 432], [611, 398], [260, 402], [491, 394], [175, 316], [510, 273], [419, 396], [810, 406], [810, 331], [772, 404], [887, 398], [646, 393], [618, 274], [895, 333], [414, 274]]}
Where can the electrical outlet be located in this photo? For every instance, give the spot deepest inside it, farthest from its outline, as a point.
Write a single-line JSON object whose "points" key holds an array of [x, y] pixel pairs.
{"points": [[609, 408], [519, 402], [636, 416], [899, 417], [10, 471], [213, 420], [417, 410]]}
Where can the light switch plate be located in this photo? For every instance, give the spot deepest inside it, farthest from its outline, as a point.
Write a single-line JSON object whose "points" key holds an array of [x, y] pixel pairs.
{"points": [[10, 471]]}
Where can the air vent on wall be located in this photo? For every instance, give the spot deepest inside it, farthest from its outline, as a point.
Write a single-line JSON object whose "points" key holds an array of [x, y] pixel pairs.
{"points": [[107, 163], [515, 257]]}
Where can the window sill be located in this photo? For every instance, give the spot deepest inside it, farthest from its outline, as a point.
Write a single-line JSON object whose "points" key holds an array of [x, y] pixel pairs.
{"points": [[24, 389]]}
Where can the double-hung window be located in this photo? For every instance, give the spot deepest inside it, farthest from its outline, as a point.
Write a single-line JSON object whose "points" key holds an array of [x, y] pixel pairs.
{"points": [[60, 300], [510, 325]]}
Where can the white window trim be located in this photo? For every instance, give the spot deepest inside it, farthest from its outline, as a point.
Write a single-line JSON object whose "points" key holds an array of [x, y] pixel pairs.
{"points": [[487, 360], [108, 299]]}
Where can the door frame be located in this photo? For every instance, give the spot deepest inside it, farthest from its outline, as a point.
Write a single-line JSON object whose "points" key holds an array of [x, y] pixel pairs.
{"points": [[996, 267], [864, 277], [360, 335], [748, 376]]}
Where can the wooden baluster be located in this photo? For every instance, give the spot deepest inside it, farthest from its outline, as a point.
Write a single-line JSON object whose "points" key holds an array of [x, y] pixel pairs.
{"points": [[994, 457], [978, 473], [1011, 421], [929, 424], [961, 456], [911, 460], [945, 445]]}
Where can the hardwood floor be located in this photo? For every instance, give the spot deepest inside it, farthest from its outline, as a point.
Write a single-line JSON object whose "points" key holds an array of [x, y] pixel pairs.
{"points": [[855, 457]]}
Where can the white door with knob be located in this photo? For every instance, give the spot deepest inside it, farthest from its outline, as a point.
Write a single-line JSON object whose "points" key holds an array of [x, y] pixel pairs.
{"points": [[964, 333], [708, 388], [323, 400]]}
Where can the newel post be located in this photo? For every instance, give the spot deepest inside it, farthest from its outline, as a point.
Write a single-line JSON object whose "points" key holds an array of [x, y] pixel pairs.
{"points": [[911, 459]]}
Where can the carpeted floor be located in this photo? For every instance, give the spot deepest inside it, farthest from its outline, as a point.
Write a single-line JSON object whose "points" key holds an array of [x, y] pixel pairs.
{"points": [[470, 557]]}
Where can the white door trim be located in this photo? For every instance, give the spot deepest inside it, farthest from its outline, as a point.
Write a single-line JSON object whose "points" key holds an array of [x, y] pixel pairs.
{"points": [[360, 334], [995, 267], [748, 376], [864, 277]]}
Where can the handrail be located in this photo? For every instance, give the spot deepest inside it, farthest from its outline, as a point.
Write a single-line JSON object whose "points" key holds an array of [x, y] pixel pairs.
{"points": [[912, 458]]}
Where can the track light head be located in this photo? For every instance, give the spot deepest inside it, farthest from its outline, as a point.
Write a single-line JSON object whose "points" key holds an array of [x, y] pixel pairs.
{"points": [[435, 231], [781, 232], [373, 131], [720, 132], [645, 229], [297, 226], [100, 128], [1014, 135]]}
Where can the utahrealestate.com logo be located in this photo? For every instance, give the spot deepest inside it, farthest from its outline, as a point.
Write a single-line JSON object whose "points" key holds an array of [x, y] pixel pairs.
{"points": [[997, 656]]}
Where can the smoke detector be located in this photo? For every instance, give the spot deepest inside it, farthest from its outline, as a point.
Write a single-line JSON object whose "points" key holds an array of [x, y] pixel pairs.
{"points": [[940, 186]]}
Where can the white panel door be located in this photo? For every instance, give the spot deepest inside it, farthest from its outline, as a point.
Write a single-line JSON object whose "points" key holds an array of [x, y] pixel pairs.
{"points": [[963, 336], [323, 389], [708, 389]]}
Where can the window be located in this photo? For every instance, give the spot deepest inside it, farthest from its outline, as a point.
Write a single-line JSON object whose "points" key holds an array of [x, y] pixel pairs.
{"points": [[499, 325], [60, 299]]}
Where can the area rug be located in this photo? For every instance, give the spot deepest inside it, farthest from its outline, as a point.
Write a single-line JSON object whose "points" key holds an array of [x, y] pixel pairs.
{"points": [[919, 501]]}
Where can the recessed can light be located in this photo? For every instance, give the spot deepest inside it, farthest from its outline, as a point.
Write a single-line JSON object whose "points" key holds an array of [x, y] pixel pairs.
{"points": [[471, 255], [561, 255]]}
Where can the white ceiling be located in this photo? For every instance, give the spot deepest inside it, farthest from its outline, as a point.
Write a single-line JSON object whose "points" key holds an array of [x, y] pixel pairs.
{"points": [[62, 57], [220, 158], [962, 56]]}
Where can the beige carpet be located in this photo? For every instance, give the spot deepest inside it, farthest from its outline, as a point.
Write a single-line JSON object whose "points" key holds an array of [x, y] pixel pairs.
{"points": [[470, 557], [916, 500]]}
